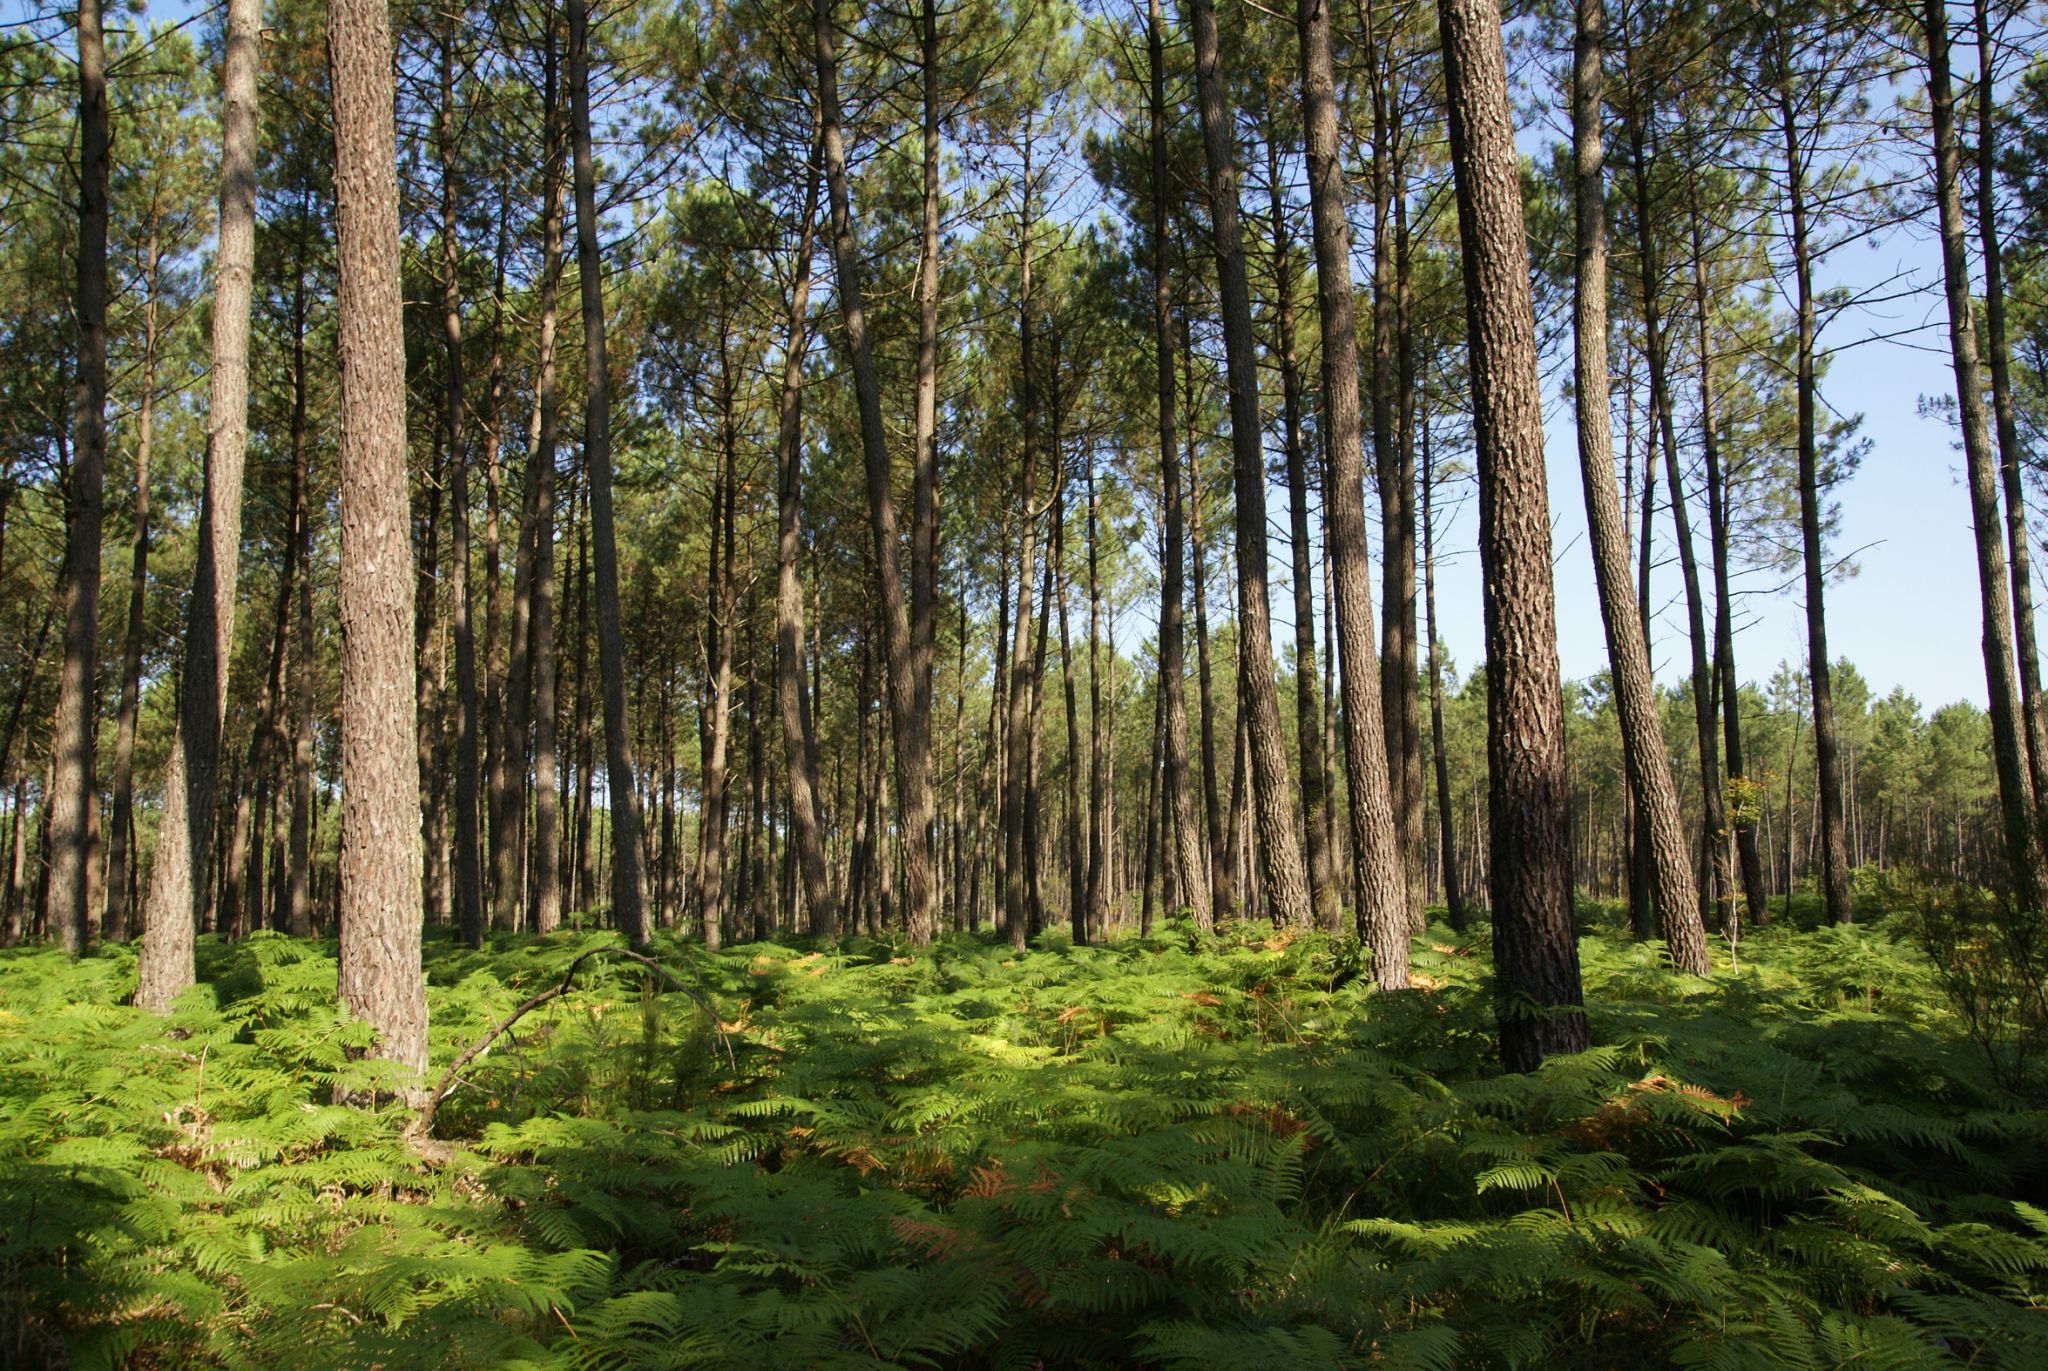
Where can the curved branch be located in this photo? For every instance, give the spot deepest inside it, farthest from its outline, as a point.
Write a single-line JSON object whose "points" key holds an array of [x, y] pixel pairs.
{"points": [[421, 1126]]}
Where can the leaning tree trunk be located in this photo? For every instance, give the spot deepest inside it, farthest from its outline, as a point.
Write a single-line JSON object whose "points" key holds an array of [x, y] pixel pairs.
{"points": [[1286, 888], [2011, 453], [1642, 729], [1536, 961], [177, 887], [2008, 741], [912, 733], [1196, 888], [380, 802], [1381, 873], [68, 808], [629, 880]]}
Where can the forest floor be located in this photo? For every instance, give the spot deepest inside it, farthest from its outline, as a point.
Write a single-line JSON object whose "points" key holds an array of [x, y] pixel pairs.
{"points": [[1174, 1151]]}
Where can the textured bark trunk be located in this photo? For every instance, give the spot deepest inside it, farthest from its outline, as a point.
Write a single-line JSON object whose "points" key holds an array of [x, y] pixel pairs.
{"points": [[1380, 871], [299, 862], [1536, 960], [1222, 877], [2008, 737], [184, 832], [380, 978], [1635, 693], [1286, 890], [1196, 886], [72, 731], [918, 837], [629, 881]]}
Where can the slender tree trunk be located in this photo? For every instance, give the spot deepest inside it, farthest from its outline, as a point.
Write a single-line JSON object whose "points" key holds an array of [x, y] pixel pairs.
{"points": [[380, 865], [2011, 452], [918, 836], [1222, 878], [1635, 693], [1381, 876], [185, 830], [2007, 728], [1020, 872], [629, 882], [114, 923], [1100, 765], [1536, 961], [1287, 892], [469, 906], [913, 733], [1834, 851], [799, 738], [1323, 890], [1454, 895], [1196, 886], [299, 864], [546, 899]]}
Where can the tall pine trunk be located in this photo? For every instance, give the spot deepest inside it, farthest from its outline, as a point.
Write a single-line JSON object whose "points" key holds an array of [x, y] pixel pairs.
{"points": [[380, 977], [1536, 961], [177, 888], [1380, 870], [1286, 890]]}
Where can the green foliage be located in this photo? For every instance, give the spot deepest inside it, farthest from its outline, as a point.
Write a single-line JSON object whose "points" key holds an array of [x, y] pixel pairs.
{"points": [[1178, 1152]]}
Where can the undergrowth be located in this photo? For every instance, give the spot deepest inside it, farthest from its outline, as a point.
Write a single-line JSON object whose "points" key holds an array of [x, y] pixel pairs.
{"points": [[1177, 1152]]}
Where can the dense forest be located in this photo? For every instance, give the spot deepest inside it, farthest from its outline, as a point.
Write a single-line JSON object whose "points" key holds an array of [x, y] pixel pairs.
{"points": [[739, 683]]}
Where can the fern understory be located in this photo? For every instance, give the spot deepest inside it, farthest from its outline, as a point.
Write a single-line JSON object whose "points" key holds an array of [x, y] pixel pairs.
{"points": [[1177, 1152]]}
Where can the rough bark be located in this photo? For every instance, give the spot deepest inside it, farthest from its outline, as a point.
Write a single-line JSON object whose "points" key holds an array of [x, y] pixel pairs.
{"points": [[1286, 889], [2008, 740], [1635, 694], [69, 849], [380, 977], [1536, 960], [177, 889], [1380, 871], [539, 649]]}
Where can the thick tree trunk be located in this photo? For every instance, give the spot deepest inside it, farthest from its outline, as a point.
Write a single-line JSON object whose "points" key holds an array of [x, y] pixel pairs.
{"points": [[913, 733], [1380, 876], [1635, 693], [380, 863], [185, 830], [1287, 891], [1536, 960], [2008, 738], [629, 881], [69, 850]]}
